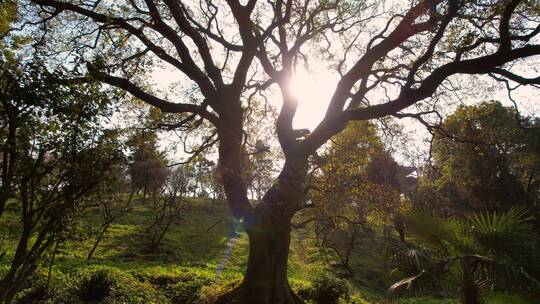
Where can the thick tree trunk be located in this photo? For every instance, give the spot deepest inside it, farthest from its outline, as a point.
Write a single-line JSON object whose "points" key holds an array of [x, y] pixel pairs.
{"points": [[267, 224], [470, 294], [269, 231], [265, 281]]}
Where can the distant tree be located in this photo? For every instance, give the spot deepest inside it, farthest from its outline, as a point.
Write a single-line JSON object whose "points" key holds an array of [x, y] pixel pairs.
{"points": [[357, 179], [485, 157], [200, 172], [147, 170], [260, 167], [260, 156], [216, 186], [113, 198], [388, 57], [172, 201], [55, 152]]}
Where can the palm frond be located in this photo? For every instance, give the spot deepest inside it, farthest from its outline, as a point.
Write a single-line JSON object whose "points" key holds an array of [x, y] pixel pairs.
{"points": [[408, 255], [434, 231], [502, 233], [409, 284]]}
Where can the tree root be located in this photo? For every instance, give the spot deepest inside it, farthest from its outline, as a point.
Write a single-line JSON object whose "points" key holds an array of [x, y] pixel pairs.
{"points": [[239, 296]]}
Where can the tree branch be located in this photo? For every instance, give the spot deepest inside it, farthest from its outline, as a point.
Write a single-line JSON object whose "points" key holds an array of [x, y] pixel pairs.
{"points": [[163, 105]]}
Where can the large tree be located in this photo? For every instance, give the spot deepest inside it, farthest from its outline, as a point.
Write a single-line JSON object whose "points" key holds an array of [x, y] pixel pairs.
{"points": [[389, 57]]}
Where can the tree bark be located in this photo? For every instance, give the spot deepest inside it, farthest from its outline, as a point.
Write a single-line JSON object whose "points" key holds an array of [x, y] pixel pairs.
{"points": [[265, 281], [269, 231], [470, 294]]}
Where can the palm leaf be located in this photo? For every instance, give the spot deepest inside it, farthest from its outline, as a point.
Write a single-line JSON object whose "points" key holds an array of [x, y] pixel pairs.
{"points": [[409, 284], [435, 232], [501, 234]]}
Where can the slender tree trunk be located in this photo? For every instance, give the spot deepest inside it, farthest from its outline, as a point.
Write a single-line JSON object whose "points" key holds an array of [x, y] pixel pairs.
{"points": [[8, 284], [348, 252], [51, 264], [156, 241], [144, 195], [469, 290], [9, 155], [98, 240]]}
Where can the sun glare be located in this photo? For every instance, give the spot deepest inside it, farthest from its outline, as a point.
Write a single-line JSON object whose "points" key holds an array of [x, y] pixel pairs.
{"points": [[313, 90]]}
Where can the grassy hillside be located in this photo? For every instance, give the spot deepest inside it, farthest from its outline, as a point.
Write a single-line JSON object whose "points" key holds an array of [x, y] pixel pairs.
{"points": [[202, 256]]}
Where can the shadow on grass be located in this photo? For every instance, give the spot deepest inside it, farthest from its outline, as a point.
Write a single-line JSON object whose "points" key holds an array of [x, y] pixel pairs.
{"points": [[198, 237]]}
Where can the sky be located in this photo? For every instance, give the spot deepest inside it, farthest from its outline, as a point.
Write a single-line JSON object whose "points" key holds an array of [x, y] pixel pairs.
{"points": [[314, 89]]}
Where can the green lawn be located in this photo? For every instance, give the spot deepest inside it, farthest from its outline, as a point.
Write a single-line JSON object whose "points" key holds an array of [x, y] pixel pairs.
{"points": [[196, 262]]}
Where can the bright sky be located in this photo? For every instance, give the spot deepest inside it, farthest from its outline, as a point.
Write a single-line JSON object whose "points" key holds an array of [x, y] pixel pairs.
{"points": [[314, 88]]}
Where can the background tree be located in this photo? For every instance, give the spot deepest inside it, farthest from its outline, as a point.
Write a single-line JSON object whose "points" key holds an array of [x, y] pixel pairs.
{"points": [[485, 157], [172, 201], [358, 182], [260, 166], [55, 153], [113, 198], [200, 171], [421, 45], [147, 171]]}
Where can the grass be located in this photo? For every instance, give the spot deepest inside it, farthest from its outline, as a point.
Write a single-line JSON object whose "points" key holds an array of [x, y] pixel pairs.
{"points": [[196, 257]]}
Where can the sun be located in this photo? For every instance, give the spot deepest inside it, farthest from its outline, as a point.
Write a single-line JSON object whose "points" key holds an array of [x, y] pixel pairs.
{"points": [[313, 90]]}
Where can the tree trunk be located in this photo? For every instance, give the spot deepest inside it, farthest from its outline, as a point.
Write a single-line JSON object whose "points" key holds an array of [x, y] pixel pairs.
{"points": [[51, 264], [265, 281], [470, 294], [268, 224], [98, 240]]}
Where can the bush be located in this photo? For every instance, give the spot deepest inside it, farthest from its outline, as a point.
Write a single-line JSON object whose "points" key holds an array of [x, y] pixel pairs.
{"points": [[185, 292], [114, 286], [209, 294], [98, 287], [178, 287], [34, 295], [327, 290]]}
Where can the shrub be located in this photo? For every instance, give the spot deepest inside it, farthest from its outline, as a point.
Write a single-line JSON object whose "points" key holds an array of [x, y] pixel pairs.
{"points": [[98, 287], [329, 290], [185, 292], [114, 286], [34, 295], [209, 294], [303, 290]]}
